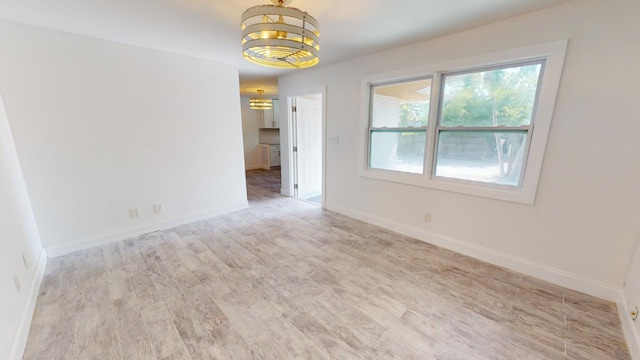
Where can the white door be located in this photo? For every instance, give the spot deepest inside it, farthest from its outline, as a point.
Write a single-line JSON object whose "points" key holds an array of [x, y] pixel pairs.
{"points": [[307, 130]]}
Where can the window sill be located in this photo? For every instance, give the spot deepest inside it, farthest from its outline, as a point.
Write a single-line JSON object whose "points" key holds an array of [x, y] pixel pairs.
{"points": [[496, 192]]}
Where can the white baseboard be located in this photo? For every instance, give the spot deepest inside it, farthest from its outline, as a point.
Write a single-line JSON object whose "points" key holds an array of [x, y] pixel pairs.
{"points": [[20, 341], [555, 276], [121, 234], [552, 275], [630, 328], [253, 167]]}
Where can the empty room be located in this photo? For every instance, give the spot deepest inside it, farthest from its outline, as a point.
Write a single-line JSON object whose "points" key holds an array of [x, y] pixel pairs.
{"points": [[296, 179]]}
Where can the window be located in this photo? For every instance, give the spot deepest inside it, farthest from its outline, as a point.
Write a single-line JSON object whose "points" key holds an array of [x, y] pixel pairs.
{"points": [[485, 123], [468, 129], [398, 127]]}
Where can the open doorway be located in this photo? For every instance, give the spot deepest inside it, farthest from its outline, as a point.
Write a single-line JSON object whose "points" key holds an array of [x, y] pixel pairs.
{"points": [[306, 114]]}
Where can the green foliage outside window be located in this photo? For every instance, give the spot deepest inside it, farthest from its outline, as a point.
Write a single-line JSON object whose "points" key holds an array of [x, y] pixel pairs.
{"points": [[414, 114], [491, 98]]}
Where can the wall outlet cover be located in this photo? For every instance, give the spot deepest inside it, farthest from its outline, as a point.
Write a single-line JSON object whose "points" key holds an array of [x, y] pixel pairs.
{"points": [[134, 213]]}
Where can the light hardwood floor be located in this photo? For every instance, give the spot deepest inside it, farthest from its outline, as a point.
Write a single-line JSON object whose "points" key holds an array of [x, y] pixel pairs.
{"points": [[286, 280]]}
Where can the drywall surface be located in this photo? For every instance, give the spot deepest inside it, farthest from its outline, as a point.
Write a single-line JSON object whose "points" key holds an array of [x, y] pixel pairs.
{"points": [[101, 128], [632, 291], [18, 236], [583, 225], [251, 123], [632, 283]]}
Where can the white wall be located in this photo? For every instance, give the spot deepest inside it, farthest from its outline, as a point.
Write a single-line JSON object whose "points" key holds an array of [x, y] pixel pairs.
{"points": [[251, 123], [18, 236], [632, 292], [102, 127], [582, 229]]}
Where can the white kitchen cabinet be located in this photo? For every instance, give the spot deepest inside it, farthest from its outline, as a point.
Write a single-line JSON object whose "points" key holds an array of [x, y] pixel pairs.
{"points": [[271, 118], [270, 155], [274, 158], [276, 113]]}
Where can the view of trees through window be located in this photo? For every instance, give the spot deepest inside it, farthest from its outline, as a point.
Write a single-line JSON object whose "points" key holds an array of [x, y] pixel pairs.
{"points": [[491, 98], [484, 123], [464, 125], [414, 113], [486, 100]]}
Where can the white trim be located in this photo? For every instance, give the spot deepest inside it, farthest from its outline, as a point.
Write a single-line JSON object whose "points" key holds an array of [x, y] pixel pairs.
{"points": [[629, 327], [552, 275], [252, 167], [121, 234], [554, 54], [20, 341]]}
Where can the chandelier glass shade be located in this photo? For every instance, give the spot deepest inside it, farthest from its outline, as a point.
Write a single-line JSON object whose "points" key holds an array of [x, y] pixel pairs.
{"points": [[280, 37], [260, 103]]}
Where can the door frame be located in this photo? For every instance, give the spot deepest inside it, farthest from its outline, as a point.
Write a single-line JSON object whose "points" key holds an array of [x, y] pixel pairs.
{"points": [[289, 151]]}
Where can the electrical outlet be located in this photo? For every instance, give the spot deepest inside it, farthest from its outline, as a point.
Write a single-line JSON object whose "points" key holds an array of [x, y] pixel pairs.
{"points": [[157, 208], [134, 213], [16, 282], [427, 217], [25, 261]]}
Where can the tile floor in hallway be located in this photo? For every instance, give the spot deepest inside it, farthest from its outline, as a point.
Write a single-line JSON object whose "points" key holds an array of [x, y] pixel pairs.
{"points": [[285, 280]]}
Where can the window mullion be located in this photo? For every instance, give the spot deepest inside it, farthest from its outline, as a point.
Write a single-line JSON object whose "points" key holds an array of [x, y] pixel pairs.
{"points": [[430, 144]]}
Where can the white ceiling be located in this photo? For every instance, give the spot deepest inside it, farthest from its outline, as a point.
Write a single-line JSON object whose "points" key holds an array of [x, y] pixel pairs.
{"points": [[210, 29]]}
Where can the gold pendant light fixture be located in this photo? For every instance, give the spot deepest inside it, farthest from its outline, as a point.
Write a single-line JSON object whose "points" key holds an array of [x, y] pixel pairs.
{"points": [[260, 103], [280, 37]]}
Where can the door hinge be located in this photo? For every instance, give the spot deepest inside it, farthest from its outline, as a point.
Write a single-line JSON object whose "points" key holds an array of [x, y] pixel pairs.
{"points": [[295, 149], [295, 186], [294, 109]]}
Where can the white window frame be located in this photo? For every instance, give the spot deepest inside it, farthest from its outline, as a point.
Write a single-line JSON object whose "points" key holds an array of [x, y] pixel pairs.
{"points": [[553, 53]]}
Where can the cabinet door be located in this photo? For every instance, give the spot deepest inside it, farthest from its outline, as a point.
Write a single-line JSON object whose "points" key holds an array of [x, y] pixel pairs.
{"points": [[265, 157], [276, 113], [267, 118], [275, 156]]}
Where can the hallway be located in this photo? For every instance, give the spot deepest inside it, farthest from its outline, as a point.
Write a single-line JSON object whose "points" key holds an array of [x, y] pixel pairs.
{"points": [[263, 184]]}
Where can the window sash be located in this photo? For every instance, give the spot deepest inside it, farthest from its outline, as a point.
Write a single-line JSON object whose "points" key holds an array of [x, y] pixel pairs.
{"points": [[398, 130], [413, 79], [433, 155], [415, 129], [498, 66], [519, 129], [443, 75]]}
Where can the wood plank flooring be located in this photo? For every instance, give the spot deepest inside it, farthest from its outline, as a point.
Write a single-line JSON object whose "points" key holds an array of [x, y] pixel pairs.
{"points": [[286, 280]]}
